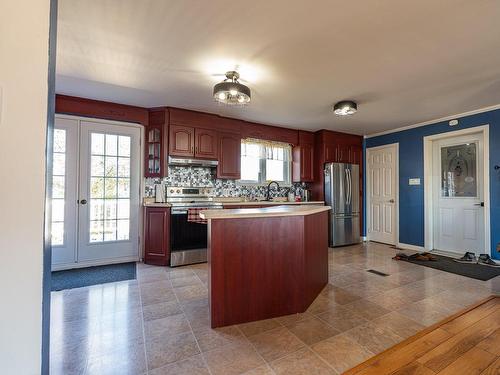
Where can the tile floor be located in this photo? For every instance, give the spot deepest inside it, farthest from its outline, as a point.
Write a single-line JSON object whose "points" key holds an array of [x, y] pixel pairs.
{"points": [[158, 324]]}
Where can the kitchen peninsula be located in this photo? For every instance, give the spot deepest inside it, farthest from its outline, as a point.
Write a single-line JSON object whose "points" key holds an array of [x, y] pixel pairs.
{"points": [[265, 262]]}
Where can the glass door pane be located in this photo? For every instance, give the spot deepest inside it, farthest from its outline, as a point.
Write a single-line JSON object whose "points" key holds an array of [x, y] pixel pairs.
{"points": [[459, 170]]}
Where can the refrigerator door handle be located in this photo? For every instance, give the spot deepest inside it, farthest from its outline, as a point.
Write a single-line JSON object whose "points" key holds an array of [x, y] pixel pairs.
{"points": [[349, 186]]}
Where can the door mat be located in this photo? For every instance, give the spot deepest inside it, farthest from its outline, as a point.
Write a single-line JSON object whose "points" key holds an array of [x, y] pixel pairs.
{"points": [[80, 277], [447, 264]]}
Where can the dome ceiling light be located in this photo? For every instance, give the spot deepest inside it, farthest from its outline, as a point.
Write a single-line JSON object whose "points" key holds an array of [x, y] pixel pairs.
{"points": [[230, 91], [345, 108]]}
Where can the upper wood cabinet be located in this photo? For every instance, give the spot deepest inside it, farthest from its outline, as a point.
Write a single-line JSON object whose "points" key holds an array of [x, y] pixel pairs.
{"points": [[156, 142], [181, 141], [356, 155], [205, 145], [229, 156], [192, 142], [343, 153], [303, 158]]}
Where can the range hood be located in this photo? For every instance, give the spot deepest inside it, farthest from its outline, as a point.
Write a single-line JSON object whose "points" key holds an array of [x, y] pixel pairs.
{"points": [[192, 162]]}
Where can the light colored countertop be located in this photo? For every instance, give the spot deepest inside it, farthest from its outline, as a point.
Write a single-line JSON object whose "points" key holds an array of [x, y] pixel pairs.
{"points": [[270, 203], [154, 204], [282, 210]]}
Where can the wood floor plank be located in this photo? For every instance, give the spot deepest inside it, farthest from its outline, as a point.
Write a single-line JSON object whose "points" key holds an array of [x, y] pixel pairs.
{"points": [[491, 343], [493, 369], [409, 353], [414, 368], [449, 351], [459, 324], [472, 362]]}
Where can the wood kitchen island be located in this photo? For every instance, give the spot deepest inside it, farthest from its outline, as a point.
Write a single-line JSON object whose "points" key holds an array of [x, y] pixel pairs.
{"points": [[265, 262]]}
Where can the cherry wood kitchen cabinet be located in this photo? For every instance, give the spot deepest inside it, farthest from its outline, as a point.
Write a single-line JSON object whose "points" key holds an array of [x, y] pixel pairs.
{"points": [[229, 156], [156, 142], [356, 155], [192, 142], [303, 158], [157, 235]]}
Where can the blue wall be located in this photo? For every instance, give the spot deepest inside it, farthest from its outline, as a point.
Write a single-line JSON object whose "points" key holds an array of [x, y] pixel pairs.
{"points": [[411, 165]]}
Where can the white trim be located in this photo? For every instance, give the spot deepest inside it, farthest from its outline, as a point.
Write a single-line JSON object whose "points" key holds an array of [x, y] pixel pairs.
{"points": [[406, 246], [101, 262], [428, 204], [396, 177], [430, 122]]}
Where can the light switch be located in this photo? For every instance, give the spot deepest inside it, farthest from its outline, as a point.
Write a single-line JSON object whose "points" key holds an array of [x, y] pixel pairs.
{"points": [[414, 181]]}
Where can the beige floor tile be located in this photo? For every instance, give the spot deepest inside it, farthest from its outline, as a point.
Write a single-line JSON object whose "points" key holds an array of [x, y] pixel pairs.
{"points": [[254, 328], [275, 343], [322, 304], [210, 339], [312, 330], [339, 295], [168, 349], [366, 309], [341, 352], [261, 370], [399, 324], [161, 310], [342, 319], [293, 318], [302, 362], [190, 292], [373, 337], [170, 325], [424, 313], [185, 281], [233, 359], [129, 359], [191, 366]]}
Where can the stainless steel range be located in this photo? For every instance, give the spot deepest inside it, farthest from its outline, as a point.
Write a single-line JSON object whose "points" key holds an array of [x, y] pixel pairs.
{"points": [[188, 240]]}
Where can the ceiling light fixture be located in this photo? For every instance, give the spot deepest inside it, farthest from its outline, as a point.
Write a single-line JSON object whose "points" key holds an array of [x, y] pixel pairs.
{"points": [[345, 108], [230, 91]]}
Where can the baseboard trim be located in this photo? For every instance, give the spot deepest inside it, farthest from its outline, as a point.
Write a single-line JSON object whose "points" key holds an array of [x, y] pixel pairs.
{"points": [[61, 267], [406, 246]]}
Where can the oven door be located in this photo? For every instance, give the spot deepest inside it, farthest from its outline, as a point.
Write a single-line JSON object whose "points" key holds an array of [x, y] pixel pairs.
{"points": [[188, 241]]}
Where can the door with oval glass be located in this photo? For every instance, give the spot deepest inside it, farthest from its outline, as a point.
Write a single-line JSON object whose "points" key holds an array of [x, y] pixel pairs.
{"points": [[458, 194], [101, 203]]}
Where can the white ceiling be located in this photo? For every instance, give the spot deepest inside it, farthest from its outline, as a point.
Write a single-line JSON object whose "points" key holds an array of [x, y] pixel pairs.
{"points": [[404, 62]]}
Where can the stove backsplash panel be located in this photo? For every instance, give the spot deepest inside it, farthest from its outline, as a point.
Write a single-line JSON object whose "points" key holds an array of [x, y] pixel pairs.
{"points": [[205, 177]]}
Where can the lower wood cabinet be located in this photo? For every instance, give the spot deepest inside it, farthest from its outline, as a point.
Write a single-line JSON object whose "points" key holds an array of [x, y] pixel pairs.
{"points": [[157, 235]]}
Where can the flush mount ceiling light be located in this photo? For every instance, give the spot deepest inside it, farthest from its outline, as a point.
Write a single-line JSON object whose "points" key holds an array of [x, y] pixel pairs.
{"points": [[345, 108], [230, 91]]}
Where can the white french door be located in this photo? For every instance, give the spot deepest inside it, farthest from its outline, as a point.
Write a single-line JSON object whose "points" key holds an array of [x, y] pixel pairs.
{"points": [[100, 220], [382, 193], [458, 193]]}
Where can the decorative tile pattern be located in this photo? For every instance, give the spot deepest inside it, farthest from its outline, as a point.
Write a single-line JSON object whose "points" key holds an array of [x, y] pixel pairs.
{"points": [[205, 177], [159, 323]]}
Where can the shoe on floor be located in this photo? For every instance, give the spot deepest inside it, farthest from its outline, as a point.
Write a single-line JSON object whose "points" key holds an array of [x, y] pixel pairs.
{"points": [[467, 258], [429, 256], [486, 260]]}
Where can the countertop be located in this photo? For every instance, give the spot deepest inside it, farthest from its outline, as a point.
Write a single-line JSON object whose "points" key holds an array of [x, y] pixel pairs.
{"points": [[154, 204], [282, 210], [265, 203]]}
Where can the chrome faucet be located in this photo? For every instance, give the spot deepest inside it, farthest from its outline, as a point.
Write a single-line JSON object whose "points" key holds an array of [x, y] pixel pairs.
{"points": [[268, 197]]}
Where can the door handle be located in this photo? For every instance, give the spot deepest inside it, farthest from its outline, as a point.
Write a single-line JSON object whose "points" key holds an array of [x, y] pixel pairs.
{"points": [[391, 200], [83, 201], [479, 204]]}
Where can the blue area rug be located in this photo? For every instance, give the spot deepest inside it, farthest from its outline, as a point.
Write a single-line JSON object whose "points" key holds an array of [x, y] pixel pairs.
{"points": [[79, 277]]}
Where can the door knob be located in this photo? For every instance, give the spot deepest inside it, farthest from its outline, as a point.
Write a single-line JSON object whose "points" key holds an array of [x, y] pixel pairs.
{"points": [[83, 201], [391, 201]]}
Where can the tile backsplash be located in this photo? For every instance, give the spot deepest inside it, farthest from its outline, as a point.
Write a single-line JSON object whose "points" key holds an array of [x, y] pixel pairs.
{"points": [[205, 177]]}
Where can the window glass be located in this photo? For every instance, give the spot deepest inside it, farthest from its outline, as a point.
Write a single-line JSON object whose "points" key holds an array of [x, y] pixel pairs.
{"points": [[263, 161], [458, 171]]}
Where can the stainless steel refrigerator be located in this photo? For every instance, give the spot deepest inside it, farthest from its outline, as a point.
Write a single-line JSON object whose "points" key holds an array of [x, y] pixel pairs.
{"points": [[342, 194]]}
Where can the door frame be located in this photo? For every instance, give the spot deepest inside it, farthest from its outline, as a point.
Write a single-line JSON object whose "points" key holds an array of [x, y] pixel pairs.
{"points": [[141, 190], [368, 190], [428, 182]]}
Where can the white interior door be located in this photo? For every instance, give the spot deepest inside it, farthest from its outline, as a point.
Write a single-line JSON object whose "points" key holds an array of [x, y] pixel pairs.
{"points": [[458, 194], [64, 191], [109, 192], [96, 193], [382, 194]]}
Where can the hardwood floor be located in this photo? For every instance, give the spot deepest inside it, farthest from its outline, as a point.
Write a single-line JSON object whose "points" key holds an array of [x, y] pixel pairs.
{"points": [[465, 343]]}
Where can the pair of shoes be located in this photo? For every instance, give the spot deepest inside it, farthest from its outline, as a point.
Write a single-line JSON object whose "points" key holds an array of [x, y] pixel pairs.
{"points": [[486, 260], [429, 256], [468, 257], [400, 256], [483, 259], [422, 257]]}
